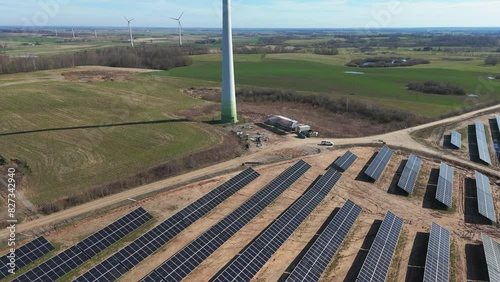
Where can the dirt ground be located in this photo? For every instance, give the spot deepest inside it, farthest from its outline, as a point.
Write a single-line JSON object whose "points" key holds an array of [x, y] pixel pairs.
{"points": [[418, 211], [439, 138]]}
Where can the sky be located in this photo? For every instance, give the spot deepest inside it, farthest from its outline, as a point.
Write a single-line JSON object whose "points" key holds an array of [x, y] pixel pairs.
{"points": [[367, 14]]}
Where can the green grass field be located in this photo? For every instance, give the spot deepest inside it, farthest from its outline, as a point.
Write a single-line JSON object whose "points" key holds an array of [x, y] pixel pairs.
{"points": [[67, 161], [326, 75]]}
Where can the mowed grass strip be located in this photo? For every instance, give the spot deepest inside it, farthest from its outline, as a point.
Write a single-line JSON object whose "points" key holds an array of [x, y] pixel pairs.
{"points": [[386, 85], [65, 162]]}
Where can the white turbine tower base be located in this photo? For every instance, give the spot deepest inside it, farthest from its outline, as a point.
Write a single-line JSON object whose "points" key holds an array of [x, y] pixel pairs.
{"points": [[130, 30], [229, 113], [179, 25]]}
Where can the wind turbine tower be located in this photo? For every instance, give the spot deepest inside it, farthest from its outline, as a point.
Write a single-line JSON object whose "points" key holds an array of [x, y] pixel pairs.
{"points": [[180, 27], [56, 32], [229, 113], [95, 33], [73, 30], [130, 30]]}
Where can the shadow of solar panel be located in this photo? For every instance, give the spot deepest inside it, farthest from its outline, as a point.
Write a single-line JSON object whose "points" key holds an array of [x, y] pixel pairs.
{"points": [[378, 165], [71, 258], [482, 144], [410, 174], [315, 261], [251, 260], [26, 254], [444, 190], [134, 253], [437, 263], [379, 257], [492, 254], [345, 162], [484, 197], [187, 259], [456, 139]]}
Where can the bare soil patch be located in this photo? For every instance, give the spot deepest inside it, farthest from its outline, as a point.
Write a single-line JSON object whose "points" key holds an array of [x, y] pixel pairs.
{"points": [[97, 76]]}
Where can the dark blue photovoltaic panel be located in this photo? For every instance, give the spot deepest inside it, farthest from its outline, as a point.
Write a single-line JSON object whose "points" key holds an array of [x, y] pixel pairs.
{"points": [[315, 261], [69, 259], [144, 246], [410, 174], [25, 255], [437, 263], [177, 267], [378, 165], [456, 139], [253, 258], [482, 144], [484, 197], [345, 162], [444, 193], [379, 257]]}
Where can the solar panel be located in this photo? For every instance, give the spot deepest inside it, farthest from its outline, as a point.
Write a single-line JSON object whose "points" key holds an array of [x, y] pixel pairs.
{"points": [[345, 162], [484, 197], [134, 253], [482, 144], [379, 257], [492, 253], [253, 257], [437, 263], [456, 139], [25, 255], [187, 259], [444, 191], [69, 259], [378, 165], [498, 122], [107, 236], [319, 255], [410, 174]]}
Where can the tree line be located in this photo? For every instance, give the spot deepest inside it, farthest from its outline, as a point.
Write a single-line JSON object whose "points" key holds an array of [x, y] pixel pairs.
{"points": [[434, 87], [376, 113], [149, 57]]}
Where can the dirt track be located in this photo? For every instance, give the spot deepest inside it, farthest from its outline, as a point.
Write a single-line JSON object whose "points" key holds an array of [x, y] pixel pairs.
{"points": [[400, 139]]}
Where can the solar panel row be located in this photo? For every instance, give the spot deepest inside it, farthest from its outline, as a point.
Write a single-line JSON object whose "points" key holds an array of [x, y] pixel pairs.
{"points": [[345, 162], [69, 259], [134, 253], [187, 259], [410, 174], [437, 263], [444, 193], [25, 255], [379, 257], [378, 165], [315, 261], [484, 197], [492, 253], [253, 258], [456, 139], [482, 144]]}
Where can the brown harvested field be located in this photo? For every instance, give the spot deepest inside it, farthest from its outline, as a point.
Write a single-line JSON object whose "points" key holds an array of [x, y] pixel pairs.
{"points": [[418, 212]]}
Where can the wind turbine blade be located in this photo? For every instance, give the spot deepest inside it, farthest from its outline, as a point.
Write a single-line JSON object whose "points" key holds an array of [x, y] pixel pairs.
{"points": [[131, 20], [180, 26], [174, 19], [125, 18], [181, 15]]}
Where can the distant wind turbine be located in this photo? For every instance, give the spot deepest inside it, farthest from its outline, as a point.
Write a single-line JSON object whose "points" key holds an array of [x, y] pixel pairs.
{"points": [[180, 27], [56, 32], [95, 33], [130, 30], [73, 30]]}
